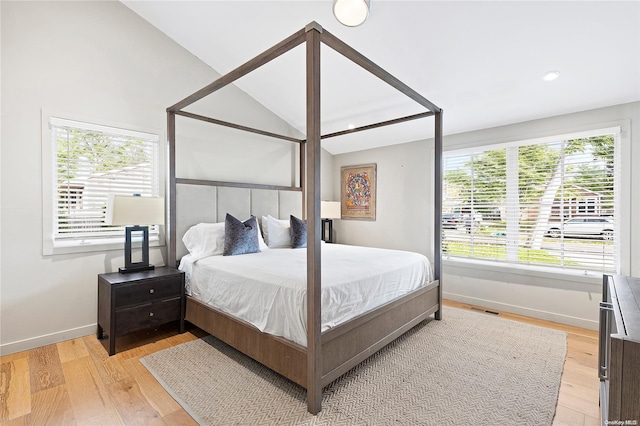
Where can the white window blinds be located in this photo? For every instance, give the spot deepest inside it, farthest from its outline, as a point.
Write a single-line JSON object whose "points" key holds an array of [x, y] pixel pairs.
{"points": [[90, 162], [551, 204]]}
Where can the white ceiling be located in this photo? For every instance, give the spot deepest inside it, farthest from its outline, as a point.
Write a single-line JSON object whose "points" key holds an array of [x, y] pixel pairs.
{"points": [[481, 62]]}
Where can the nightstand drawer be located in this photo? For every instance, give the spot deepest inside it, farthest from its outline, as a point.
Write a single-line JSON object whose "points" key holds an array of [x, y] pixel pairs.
{"points": [[147, 315], [148, 291]]}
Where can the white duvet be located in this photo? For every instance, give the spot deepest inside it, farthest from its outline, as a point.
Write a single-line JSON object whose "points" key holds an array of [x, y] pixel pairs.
{"points": [[268, 289]]}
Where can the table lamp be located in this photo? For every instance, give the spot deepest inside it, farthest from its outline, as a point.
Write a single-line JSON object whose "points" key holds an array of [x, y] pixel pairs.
{"points": [[136, 213], [329, 210]]}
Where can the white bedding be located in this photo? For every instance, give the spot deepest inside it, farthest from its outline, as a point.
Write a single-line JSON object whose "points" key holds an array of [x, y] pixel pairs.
{"points": [[268, 289]]}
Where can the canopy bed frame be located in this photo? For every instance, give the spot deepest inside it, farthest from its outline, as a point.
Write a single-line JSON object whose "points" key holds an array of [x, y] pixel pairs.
{"points": [[331, 353]]}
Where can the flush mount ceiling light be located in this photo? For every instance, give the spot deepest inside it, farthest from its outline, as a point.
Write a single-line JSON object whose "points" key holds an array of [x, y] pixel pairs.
{"points": [[551, 75], [351, 12]]}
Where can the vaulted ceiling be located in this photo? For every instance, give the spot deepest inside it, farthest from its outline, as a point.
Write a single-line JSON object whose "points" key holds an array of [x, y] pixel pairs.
{"points": [[482, 62]]}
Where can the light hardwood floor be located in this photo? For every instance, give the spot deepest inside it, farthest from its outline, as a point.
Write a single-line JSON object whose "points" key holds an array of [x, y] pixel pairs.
{"points": [[77, 383]]}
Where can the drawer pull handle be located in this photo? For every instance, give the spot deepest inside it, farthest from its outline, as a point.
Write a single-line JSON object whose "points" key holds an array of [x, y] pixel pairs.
{"points": [[150, 314], [152, 291]]}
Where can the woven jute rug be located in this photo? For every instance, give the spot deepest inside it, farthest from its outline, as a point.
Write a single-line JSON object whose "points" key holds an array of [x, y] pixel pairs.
{"points": [[470, 368]]}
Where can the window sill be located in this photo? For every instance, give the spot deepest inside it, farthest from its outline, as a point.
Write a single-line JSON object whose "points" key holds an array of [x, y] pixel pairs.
{"points": [[575, 275], [88, 246]]}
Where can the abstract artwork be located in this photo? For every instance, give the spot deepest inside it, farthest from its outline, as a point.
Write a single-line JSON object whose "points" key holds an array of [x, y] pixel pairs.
{"points": [[358, 192]]}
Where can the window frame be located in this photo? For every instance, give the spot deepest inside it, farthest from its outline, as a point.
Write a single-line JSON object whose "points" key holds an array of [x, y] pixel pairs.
{"points": [[51, 246], [621, 128]]}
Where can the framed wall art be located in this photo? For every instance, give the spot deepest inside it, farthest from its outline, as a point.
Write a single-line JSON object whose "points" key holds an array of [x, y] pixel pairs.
{"points": [[358, 192]]}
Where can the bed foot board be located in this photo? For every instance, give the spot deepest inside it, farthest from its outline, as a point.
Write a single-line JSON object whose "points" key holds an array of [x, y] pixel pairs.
{"points": [[343, 347], [281, 355], [369, 334]]}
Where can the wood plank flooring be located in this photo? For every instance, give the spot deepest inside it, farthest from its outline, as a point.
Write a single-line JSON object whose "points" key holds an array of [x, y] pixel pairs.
{"points": [[77, 383]]}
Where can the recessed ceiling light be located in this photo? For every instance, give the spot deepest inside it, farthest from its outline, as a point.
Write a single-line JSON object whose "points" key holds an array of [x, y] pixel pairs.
{"points": [[351, 126], [551, 75]]}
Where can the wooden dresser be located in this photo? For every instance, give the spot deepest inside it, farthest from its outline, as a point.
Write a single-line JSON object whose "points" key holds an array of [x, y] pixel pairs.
{"points": [[619, 351]]}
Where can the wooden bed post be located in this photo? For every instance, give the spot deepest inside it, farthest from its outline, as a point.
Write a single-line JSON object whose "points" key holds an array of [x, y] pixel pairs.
{"points": [[437, 215], [171, 232], [303, 177], [313, 153]]}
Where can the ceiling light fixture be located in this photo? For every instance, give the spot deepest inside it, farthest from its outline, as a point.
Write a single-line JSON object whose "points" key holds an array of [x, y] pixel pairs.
{"points": [[351, 12], [551, 75]]}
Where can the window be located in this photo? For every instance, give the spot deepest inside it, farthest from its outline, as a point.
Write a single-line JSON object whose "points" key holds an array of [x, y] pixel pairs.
{"points": [[552, 203], [89, 162]]}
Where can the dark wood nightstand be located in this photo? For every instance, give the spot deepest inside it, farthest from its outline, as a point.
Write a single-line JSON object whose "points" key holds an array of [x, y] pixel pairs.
{"points": [[139, 300]]}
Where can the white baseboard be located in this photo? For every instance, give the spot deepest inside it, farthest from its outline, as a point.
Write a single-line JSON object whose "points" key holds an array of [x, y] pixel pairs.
{"points": [[47, 339], [61, 336], [520, 310]]}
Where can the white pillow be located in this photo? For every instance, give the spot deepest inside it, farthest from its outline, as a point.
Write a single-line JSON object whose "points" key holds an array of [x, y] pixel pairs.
{"points": [[261, 243], [264, 224], [279, 232], [265, 229], [207, 239]]}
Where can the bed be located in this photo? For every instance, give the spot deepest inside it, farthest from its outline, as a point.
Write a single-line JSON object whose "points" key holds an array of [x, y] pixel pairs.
{"points": [[268, 289], [315, 352]]}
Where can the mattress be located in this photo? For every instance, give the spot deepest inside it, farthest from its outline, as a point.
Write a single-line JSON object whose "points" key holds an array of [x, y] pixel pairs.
{"points": [[268, 289]]}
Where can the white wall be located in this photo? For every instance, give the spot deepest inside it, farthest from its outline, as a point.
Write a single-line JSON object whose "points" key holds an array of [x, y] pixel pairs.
{"points": [[403, 222], [404, 198], [100, 61]]}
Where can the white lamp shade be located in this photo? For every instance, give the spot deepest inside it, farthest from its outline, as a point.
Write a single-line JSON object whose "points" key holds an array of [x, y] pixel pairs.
{"points": [[330, 210], [131, 210], [351, 12]]}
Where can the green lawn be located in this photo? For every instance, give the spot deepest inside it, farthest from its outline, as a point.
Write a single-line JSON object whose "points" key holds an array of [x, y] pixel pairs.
{"points": [[499, 252]]}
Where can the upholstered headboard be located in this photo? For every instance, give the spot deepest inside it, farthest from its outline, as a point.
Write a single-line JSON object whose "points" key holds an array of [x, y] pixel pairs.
{"points": [[209, 204]]}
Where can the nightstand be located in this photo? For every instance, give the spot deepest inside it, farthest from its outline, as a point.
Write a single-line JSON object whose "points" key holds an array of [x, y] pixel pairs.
{"points": [[139, 300]]}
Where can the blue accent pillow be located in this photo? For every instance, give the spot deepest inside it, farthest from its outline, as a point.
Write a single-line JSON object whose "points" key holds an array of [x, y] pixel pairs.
{"points": [[240, 237], [298, 232]]}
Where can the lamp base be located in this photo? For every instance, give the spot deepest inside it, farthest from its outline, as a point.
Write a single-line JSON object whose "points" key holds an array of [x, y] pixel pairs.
{"points": [[129, 264], [139, 268], [325, 238]]}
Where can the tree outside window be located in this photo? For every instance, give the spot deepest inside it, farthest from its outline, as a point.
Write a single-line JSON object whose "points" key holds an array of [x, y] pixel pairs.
{"points": [[92, 162], [520, 191]]}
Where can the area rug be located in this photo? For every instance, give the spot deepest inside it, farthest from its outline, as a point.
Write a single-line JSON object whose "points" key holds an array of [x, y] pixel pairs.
{"points": [[469, 368]]}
